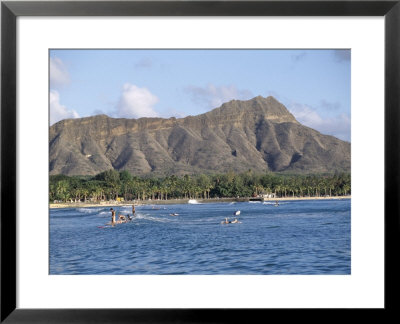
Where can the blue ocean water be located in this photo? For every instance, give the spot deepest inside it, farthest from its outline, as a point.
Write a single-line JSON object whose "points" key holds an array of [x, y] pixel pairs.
{"points": [[297, 237]]}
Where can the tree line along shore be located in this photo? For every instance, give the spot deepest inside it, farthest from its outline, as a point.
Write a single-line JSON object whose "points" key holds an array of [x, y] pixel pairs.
{"points": [[117, 187]]}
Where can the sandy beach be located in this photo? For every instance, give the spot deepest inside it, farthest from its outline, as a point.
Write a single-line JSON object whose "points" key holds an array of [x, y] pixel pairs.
{"points": [[181, 201]]}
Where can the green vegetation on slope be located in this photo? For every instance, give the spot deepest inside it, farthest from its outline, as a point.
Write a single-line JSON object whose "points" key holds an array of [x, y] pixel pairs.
{"points": [[111, 184]]}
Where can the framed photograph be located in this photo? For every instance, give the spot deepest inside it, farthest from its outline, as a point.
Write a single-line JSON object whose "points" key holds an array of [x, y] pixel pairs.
{"points": [[192, 161]]}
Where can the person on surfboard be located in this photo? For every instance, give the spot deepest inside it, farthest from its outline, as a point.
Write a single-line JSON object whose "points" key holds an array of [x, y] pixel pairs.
{"points": [[112, 217]]}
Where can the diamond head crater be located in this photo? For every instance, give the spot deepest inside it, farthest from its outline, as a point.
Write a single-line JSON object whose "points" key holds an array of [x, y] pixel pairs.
{"points": [[258, 134]]}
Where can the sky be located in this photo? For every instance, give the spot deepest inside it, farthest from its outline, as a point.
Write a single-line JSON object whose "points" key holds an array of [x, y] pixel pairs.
{"points": [[313, 84]]}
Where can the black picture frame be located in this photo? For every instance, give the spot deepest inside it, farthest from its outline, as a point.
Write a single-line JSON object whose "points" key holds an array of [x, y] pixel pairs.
{"points": [[10, 10]]}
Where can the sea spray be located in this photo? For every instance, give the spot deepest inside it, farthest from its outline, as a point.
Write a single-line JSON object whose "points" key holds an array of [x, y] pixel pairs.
{"points": [[86, 210]]}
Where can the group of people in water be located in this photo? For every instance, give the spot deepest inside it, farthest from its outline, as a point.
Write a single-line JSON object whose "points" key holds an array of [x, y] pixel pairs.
{"points": [[124, 219], [121, 218]]}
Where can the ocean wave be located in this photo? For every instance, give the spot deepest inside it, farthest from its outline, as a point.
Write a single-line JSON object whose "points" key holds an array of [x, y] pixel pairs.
{"points": [[273, 203], [140, 216], [88, 210]]}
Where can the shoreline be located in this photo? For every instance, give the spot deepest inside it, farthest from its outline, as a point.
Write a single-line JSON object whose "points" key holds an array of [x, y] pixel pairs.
{"points": [[181, 201]]}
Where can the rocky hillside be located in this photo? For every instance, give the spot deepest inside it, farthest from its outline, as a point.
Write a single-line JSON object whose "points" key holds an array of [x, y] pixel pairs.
{"points": [[258, 134]]}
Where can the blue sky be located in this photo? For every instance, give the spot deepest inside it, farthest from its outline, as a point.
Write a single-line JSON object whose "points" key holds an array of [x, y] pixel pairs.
{"points": [[313, 84]]}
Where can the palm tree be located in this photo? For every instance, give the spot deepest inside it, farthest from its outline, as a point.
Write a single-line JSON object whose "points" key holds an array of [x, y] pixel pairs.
{"points": [[277, 189], [346, 188], [85, 193], [62, 190]]}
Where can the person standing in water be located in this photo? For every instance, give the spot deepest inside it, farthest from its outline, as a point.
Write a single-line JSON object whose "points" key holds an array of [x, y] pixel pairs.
{"points": [[112, 217], [133, 210]]}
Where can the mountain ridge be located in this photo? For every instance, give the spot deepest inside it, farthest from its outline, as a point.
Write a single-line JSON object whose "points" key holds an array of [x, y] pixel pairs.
{"points": [[259, 134]]}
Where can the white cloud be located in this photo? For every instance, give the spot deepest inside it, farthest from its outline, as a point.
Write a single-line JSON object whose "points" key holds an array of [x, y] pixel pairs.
{"points": [[136, 102], [330, 105], [213, 96], [57, 110], [338, 126], [59, 75]]}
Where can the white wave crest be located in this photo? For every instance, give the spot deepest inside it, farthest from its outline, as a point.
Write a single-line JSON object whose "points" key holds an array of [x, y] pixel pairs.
{"points": [[89, 210], [274, 203], [151, 218]]}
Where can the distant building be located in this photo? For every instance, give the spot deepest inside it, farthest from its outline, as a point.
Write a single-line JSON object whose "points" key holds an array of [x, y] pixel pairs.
{"points": [[269, 195]]}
